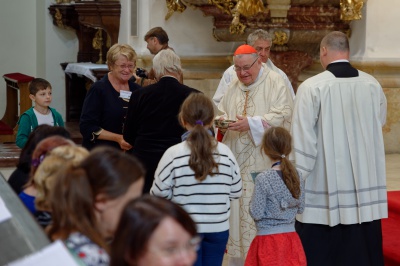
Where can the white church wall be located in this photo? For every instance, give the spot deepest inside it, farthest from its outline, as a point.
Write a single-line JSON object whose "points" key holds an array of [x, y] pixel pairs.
{"points": [[18, 42], [375, 37], [190, 32], [55, 46]]}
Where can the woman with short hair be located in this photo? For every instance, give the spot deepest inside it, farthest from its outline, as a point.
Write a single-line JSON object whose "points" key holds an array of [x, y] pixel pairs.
{"points": [[104, 109]]}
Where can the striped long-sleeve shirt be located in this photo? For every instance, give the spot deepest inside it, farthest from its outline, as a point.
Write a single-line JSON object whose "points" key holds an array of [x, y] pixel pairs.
{"points": [[207, 202]]}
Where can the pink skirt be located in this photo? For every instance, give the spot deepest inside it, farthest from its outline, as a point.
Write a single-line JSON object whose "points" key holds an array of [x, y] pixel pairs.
{"points": [[276, 250]]}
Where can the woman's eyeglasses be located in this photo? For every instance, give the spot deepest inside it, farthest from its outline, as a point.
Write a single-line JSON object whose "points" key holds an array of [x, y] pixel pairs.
{"points": [[126, 66]]}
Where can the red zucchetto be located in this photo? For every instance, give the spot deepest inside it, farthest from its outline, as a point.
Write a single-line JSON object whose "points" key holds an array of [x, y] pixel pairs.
{"points": [[245, 49]]}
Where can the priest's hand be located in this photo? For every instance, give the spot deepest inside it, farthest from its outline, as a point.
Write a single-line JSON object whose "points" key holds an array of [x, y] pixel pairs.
{"points": [[241, 125]]}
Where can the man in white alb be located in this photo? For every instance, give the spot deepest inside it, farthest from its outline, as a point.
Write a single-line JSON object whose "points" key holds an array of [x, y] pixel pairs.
{"points": [[338, 146]]}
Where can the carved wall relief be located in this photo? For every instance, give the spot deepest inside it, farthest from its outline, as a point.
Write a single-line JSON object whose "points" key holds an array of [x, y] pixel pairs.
{"points": [[296, 25], [96, 24]]}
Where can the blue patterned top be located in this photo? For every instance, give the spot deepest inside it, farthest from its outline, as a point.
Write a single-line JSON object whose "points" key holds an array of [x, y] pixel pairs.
{"points": [[272, 206]]}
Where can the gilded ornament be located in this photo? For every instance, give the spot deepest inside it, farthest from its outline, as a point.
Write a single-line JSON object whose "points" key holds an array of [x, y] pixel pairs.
{"points": [[174, 6], [58, 17], [97, 44], [246, 8], [237, 29], [351, 9], [225, 5], [249, 8], [280, 38]]}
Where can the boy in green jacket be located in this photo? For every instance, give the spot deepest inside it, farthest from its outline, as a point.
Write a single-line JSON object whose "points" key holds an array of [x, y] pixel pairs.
{"points": [[41, 113]]}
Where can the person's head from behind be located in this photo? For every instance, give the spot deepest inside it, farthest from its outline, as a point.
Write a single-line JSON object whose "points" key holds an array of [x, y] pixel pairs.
{"points": [[156, 39], [154, 231], [43, 148], [277, 145], [121, 60], [56, 160], [247, 64], [89, 198], [40, 92], [334, 46], [197, 116], [167, 62], [39, 133], [261, 40]]}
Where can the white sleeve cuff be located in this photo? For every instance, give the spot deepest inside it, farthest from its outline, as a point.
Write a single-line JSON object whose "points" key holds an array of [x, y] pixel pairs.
{"points": [[256, 129]]}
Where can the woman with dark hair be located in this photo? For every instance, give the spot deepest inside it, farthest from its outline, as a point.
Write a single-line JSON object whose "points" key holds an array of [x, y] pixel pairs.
{"points": [[87, 201], [154, 232], [201, 175], [20, 176]]}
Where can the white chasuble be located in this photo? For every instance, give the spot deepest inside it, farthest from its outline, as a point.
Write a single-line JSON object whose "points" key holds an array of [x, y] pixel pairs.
{"points": [[266, 102]]}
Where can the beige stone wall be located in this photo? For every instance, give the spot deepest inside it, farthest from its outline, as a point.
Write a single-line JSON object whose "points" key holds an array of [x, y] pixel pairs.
{"points": [[388, 75]]}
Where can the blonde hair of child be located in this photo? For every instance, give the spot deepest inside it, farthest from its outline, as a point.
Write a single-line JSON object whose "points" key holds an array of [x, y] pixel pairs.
{"points": [[56, 160]]}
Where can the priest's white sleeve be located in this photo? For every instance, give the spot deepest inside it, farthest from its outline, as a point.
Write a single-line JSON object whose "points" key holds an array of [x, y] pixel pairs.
{"points": [[257, 129]]}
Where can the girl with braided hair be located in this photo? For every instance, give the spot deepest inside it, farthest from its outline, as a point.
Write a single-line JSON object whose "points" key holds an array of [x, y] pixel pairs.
{"points": [[277, 197]]}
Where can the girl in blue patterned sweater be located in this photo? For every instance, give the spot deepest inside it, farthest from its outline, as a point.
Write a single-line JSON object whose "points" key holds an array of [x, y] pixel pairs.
{"points": [[278, 196]]}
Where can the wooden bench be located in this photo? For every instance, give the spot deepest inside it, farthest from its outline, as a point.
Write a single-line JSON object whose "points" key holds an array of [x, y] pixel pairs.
{"points": [[15, 82], [9, 155]]}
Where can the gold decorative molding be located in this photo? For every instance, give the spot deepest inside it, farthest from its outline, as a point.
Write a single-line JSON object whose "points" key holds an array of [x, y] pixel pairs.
{"points": [[246, 8], [351, 9], [174, 6], [225, 5], [58, 18], [300, 24], [237, 28], [249, 8], [280, 40], [97, 44]]}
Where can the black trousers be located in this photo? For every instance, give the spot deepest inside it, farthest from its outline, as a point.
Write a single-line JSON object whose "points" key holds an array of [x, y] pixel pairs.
{"points": [[342, 245], [150, 162]]}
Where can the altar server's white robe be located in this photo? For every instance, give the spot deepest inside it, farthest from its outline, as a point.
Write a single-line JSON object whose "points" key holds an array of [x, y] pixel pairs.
{"points": [[338, 147]]}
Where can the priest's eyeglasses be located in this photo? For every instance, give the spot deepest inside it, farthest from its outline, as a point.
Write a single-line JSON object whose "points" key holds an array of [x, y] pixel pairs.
{"points": [[245, 68]]}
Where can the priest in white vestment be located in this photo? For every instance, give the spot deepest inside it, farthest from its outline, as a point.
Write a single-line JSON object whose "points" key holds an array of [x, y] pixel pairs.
{"points": [[261, 40], [338, 146], [258, 99]]}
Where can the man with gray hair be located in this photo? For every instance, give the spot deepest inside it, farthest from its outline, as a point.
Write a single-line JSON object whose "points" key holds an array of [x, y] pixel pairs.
{"points": [[261, 40], [152, 125], [338, 147]]}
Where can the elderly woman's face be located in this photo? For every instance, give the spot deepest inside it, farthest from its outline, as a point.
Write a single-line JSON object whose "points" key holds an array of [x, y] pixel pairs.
{"points": [[123, 69], [170, 245]]}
